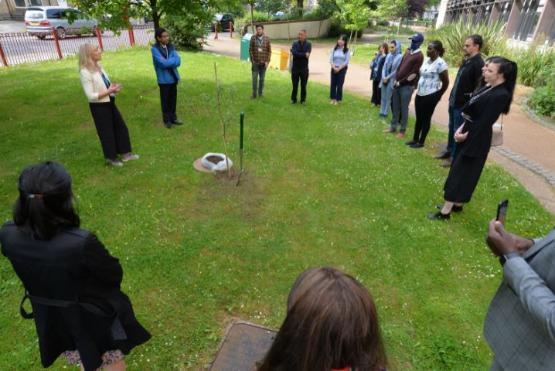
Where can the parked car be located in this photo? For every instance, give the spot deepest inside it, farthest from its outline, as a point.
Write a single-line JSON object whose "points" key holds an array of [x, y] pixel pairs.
{"points": [[224, 20], [39, 21]]}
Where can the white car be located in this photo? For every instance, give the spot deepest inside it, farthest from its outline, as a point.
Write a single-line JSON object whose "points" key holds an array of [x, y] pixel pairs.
{"points": [[39, 21]]}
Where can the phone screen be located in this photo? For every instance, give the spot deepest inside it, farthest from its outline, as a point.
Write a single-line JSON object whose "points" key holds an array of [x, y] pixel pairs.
{"points": [[502, 211]]}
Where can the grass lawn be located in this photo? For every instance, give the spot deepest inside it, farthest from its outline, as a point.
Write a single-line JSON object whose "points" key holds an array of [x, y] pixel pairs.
{"points": [[324, 186]]}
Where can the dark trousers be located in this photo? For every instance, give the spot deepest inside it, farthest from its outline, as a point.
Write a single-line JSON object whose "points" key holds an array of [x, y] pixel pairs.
{"points": [[455, 121], [424, 107], [336, 86], [296, 76], [168, 99], [258, 75], [111, 129], [376, 92], [400, 101]]}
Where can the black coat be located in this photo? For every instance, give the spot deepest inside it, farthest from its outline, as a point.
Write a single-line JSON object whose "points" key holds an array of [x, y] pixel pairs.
{"points": [[468, 79], [472, 154], [74, 286], [484, 112]]}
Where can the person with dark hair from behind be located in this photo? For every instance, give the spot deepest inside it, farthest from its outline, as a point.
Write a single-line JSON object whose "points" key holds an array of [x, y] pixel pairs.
{"points": [[376, 67], [260, 51], [331, 324], [166, 60], [433, 82], [473, 137], [339, 61], [71, 280], [300, 50], [405, 81], [519, 326], [469, 77]]}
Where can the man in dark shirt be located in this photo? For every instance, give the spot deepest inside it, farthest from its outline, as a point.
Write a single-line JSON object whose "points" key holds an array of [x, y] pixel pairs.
{"points": [[405, 82], [468, 79], [300, 52]]}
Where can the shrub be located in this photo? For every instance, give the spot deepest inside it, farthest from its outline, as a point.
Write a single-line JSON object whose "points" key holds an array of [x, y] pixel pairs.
{"points": [[453, 36], [542, 101], [532, 62]]}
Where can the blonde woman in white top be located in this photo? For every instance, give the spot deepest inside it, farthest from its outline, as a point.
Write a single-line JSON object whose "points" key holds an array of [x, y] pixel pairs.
{"points": [[110, 126]]}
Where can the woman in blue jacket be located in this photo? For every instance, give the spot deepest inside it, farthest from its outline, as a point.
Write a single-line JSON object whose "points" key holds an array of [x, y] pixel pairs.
{"points": [[166, 60]]}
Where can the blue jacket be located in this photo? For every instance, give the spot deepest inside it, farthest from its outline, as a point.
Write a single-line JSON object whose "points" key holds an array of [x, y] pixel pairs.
{"points": [[166, 66], [392, 62]]}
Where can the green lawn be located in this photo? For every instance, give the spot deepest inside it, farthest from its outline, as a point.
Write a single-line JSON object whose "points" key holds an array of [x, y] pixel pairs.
{"points": [[324, 186]]}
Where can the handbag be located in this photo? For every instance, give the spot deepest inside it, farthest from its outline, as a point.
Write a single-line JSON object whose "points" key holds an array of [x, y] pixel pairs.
{"points": [[497, 134]]}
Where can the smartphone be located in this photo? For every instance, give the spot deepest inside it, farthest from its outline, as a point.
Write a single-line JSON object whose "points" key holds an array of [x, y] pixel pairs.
{"points": [[502, 211]]}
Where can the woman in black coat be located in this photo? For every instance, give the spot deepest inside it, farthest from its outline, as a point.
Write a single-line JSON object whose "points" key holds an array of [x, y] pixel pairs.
{"points": [[474, 136], [71, 280]]}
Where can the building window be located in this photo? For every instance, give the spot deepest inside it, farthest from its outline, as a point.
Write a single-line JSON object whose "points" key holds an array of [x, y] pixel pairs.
{"points": [[505, 12], [529, 17], [26, 3]]}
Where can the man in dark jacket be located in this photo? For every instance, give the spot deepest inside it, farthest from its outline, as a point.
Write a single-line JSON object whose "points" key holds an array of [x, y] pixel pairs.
{"points": [[406, 80], [467, 80], [300, 52]]}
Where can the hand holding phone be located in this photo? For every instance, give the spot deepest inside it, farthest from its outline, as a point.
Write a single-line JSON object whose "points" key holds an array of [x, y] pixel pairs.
{"points": [[502, 211]]}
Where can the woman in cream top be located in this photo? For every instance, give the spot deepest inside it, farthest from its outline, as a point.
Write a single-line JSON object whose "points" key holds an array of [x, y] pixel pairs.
{"points": [[101, 94]]}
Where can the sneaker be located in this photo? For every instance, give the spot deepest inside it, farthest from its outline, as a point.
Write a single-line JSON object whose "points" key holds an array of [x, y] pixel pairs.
{"points": [[416, 145], [294, 102], [114, 163], [446, 163], [390, 131], [168, 125], [129, 157], [177, 122], [400, 135], [455, 209], [443, 155], [438, 216], [410, 142]]}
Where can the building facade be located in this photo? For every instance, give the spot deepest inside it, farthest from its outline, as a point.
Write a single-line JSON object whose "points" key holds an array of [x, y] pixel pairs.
{"points": [[15, 9], [525, 20]]}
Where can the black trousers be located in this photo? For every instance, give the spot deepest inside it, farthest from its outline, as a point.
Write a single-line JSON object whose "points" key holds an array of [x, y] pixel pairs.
{"points": [[376, 92], [111, 129], [297, 75], [168, 98], [424, 107]]}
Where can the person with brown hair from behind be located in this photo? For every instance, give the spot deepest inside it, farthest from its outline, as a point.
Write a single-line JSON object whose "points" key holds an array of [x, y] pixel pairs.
{"points": [[331, 324]]}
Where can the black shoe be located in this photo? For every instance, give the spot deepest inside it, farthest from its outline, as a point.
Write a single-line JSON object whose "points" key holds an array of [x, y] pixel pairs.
{"points": [[439, 216], [293, 102], [443, 155], [177, 122], [416, 145], [410, 142], [455, 209], [253, 96], [168, 125]]}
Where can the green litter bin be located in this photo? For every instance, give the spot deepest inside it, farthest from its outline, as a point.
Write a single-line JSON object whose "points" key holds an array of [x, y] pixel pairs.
{"points": [[245, 42]]}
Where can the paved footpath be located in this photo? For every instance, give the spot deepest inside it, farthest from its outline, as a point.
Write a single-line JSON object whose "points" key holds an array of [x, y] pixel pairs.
{"points": [[528, 151]]}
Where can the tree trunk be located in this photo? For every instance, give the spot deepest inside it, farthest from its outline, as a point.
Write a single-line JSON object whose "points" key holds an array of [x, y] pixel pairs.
{"points": [[300, 7], [155, 13], [252, 18]]}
